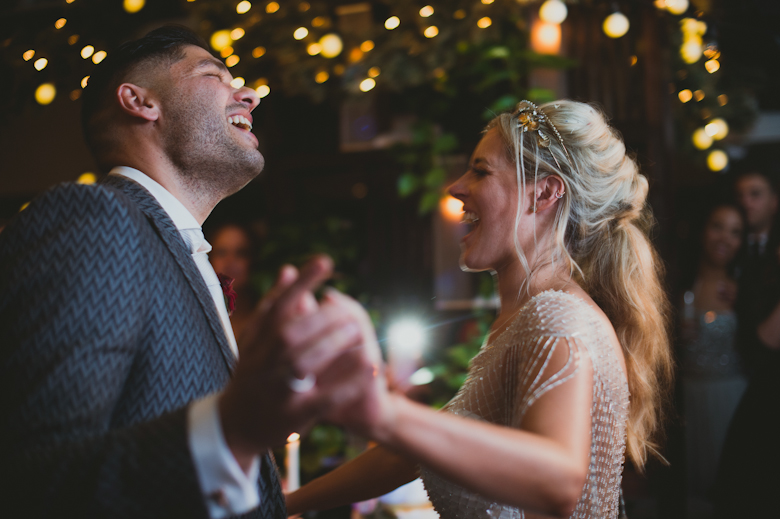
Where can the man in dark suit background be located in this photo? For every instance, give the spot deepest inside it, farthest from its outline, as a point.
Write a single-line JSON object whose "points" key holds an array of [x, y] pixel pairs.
{"points": [[122, 395]]}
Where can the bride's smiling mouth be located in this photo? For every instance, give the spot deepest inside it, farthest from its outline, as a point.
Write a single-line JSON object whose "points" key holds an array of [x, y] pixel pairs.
{"points": [[471, 220]]}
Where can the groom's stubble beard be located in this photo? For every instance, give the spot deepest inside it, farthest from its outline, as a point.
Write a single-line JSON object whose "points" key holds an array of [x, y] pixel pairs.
{"points": [[208, 159]]}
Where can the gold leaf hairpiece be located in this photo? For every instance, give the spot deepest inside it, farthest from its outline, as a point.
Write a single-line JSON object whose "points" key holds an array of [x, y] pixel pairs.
{"points": [[531, 118]]}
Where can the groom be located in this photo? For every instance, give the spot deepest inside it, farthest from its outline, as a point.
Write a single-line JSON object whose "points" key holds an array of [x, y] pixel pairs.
{"points": [[122, 391]]}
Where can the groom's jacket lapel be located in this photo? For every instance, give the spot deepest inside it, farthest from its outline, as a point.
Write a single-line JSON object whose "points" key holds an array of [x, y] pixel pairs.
{"points": [[168, 233]]}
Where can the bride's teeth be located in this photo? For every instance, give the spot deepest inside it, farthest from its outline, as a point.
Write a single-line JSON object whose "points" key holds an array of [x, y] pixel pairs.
{"points": [[469, 217]]}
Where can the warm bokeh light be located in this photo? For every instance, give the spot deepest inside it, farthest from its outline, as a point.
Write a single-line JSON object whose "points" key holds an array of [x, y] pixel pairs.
{"points": [[294, 437], [28, 55], [72, 39], [40, 63], [392, 22], [321, 76], [632, 60], [59, 24], [484, 23], [545, 37], [331, 45], [685, 95], [313, 49], [220, 39], [263, 90], [243, 7], [677, 7], [712, 66], [553, 11], [45, 93], [87, 51], [304, 6], [87, 178], [258, 51], [723, 99], [426, 11], [406, 337], [237, 82], [616, 25], [232, 60], [459, 14], [701, 139], [698, 95], [271, 7], [237, 33], [374, 71], [367, 46], [84, 81], [451, 208], [367, 84], [718, 129], [133, 6], [488, 2], [319, 21], [98, 56], [431, 32], [227, 51], [717, 160], [75, 94], [300, 33]]}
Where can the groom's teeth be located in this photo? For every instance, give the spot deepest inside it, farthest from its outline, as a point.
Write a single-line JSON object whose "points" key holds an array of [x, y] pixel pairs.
{"points": [[240, 121]]}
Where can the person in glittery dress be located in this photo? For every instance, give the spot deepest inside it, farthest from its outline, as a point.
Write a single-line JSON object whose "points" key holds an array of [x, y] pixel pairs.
{"points": [[571, 375]]}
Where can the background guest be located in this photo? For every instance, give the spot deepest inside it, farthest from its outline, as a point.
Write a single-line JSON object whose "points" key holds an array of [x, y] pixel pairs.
{"points": [[712, 381]]}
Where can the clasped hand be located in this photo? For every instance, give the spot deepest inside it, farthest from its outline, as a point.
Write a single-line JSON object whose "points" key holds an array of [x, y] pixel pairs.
{"points": [[293, 336]]}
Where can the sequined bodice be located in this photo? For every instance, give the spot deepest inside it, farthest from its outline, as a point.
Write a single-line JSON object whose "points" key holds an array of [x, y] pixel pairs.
{"points": [[709, 351], [505, 379]]}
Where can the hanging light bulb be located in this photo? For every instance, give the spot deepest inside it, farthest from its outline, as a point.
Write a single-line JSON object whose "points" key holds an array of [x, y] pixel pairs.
{"points": [[616, 25], [553, 11]]}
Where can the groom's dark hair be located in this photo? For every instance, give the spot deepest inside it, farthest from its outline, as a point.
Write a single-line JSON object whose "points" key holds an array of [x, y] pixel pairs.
{"points": [[162, 46]]}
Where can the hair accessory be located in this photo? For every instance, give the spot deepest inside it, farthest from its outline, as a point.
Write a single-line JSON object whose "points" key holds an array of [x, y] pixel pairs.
{"points": [[559, 195], [531, 118]]}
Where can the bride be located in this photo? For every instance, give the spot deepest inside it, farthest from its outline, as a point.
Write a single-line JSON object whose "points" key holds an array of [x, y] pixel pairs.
{"points": [[571, 376]]}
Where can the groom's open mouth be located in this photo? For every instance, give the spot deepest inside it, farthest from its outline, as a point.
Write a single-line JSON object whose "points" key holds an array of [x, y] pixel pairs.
{"points": [[240, 121]]}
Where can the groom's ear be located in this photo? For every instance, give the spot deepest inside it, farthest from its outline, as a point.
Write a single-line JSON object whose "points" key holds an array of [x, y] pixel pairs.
{"points": [[548, 193], [137, 101]]}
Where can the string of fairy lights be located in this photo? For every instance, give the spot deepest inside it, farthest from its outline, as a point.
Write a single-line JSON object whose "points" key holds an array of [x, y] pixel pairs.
{"points": [[320, 39]]}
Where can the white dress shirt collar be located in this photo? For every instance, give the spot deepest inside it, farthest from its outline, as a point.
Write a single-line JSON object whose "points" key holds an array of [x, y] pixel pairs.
{"points": [[181, 217]]}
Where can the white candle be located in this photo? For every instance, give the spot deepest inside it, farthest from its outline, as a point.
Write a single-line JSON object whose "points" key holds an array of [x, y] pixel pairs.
{"points": [[292, 462]]}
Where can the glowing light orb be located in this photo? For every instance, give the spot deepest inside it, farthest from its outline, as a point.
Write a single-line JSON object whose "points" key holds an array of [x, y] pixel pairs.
{"points": [[220, 39], [243, 7], [258, 51], [717, 160], [40, 63], [232, 61], [677, 6], [133, 6], [685, 95], [392, 23], [331, 45], [321, 77], [451, 208], [421, 377], [237, 33], [45, 93], [28, 55], [701, 139], [300, 33], [484, 23], [87, 178], [553, 11], [367, 84], [367, 46], [237, 82], [374, 71], [616, 25], [99, 56], [262, 91], [406, 336], [718, 129], [691, 51], [426, 11], [294, 437], [59, 24], [272, 7], [87, 51], [712, 65], [313, 49], [84, 81], [431, 32]]}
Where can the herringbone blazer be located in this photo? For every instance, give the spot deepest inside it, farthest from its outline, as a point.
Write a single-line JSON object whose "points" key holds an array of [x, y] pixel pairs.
{"points": [[107, 333]]}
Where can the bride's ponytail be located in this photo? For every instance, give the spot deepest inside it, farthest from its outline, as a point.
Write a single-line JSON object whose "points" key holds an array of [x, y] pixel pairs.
{"points": [[602, 231]]}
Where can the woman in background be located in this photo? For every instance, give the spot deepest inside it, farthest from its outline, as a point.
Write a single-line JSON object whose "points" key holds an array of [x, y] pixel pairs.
{"points": [[712, 379]]}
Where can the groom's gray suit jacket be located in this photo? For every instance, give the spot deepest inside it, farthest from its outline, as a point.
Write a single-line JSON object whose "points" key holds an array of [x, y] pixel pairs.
{"points": [[107, 333]]}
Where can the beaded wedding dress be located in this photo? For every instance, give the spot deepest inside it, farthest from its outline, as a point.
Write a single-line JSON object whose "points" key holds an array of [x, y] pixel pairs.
{"points": [[509, 375]]}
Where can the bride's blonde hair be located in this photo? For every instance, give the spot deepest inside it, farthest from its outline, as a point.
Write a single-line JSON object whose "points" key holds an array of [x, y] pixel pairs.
{"points": [[601, 232]]}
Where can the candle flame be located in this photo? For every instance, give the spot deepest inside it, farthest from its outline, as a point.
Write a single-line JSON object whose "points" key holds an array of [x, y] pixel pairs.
{"points": [[294, 437]]}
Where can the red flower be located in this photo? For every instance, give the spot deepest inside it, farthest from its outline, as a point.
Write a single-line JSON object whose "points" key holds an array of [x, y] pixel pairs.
{"points": [[226, 282]]}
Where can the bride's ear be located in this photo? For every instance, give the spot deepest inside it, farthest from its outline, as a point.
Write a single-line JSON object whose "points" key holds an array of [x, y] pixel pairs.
{"points": [[548, 192]]}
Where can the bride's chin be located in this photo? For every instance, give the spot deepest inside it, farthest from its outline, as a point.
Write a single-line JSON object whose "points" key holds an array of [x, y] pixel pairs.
{"points": [[469, 266]]}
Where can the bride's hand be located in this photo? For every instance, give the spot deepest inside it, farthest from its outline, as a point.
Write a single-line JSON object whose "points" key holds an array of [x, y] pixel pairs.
{"points": [[363, 404]]}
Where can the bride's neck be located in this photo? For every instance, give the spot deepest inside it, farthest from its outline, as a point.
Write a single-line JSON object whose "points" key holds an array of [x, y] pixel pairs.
{"points": [[512, 290]]}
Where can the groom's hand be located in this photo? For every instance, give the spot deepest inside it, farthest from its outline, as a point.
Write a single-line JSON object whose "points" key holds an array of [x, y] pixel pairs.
{"points": [[290, 337]]}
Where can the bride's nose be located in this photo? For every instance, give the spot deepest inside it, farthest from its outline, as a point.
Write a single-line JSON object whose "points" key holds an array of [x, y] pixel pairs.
{"points": [[458, 189]]}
